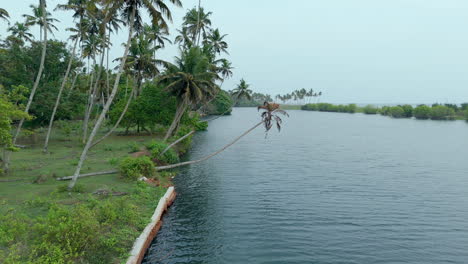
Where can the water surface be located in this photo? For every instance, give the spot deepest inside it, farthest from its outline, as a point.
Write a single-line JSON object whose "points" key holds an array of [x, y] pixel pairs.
{"points": [[330, 188]]}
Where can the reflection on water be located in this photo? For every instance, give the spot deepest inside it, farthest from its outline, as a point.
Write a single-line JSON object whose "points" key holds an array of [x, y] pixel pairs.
{"points": [[330, 188]]}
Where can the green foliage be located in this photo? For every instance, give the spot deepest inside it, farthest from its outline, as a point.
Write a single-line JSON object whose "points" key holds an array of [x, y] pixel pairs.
{"points": [[134, 147], [466, 114], [370, 110], [385, 110], [408, 110], [154, 106], [326, 107], [221, 105], [134, 168], [157, 147], [442, 112], [397, 112], [422, 112]]}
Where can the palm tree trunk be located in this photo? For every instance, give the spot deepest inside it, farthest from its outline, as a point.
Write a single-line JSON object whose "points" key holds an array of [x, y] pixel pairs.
{"points": [[175, 142], [57, 102], [175, 123], [6, 162], [107, 65], [117, 123], [107, 106], [73, 84], [90, 99], [173, 165], [212, 154]]}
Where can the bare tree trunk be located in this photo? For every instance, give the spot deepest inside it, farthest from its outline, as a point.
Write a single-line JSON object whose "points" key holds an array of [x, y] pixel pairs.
{"points": [[89, 105], [117, 123], [212, 154], [107, 106], [59, 96], [175, 123], [6, 165], [175, 142], [73, 84], [173, 165]]}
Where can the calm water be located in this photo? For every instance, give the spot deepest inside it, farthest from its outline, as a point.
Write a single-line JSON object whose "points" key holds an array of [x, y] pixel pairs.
{"points": [[330, 188]]}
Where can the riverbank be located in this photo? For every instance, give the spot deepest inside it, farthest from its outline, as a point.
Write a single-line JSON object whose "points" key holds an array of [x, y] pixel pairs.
{"points": [[434, 111], [98, 222]]}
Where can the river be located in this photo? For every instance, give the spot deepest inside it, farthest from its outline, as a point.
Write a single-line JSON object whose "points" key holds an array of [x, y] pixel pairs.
{"points": [[329, 188]]}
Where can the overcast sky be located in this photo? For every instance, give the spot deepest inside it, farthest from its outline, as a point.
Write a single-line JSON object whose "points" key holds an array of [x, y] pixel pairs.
{"points": [[354, 51]]}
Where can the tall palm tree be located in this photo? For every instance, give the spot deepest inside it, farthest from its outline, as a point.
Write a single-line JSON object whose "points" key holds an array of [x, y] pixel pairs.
{"points": [[75, 38], [242, 90], [41, 19], [191, 81], [130, 9], [4, 14], [197, 23], [21, 31], [38, 77], [216, 40]]}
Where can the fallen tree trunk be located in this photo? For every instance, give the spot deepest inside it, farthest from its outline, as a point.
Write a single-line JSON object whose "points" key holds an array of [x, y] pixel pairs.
{"points": [[88, 175], [175, 142]]}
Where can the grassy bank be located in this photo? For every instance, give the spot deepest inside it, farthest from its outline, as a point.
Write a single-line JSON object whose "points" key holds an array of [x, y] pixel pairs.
{"points": [[41, 222], [434, 112]]}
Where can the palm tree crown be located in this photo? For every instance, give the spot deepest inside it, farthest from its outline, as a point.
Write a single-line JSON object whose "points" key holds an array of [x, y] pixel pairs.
{"points": [[37, 19], [21, 31], [242, 90], [4, 14]]}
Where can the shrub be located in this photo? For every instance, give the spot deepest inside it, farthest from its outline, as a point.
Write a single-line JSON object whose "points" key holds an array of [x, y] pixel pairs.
{"points": [[134, 168], [385, 111], [370, 110], [397, 112], [352, 108], [422, 112], [157, 147], [222, 104], [466, 114], [442, 112], [133, 147], [408, 110]]}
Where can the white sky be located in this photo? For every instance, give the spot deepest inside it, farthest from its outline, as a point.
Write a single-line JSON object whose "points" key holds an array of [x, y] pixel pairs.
{"points": [[359, 51]]}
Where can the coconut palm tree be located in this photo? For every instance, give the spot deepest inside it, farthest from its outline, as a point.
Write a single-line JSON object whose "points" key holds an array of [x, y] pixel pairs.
{"points": [[37, 18], [75, 38], [216, 40], [21, 32], [191, 81], [36, 82], [183, 39], [130, 9], [4, 14], [242, 90], [197, 24]]}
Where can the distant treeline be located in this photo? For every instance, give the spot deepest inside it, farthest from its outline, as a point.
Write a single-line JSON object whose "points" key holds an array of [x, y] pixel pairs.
{"points": [[434, 112]]}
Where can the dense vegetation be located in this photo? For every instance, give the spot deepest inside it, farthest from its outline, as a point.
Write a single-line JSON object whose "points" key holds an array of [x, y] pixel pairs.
{"points": [[65, 110], [434, 112]]}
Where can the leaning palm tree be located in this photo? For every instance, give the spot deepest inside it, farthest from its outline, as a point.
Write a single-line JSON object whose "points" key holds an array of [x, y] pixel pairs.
{"points": [[191, 81], [41, 18], [4, 14], [21, 32], [75, 39], [131, 10], [36, 83]]}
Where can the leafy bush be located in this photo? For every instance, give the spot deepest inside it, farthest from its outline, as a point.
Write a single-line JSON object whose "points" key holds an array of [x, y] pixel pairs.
{"points": [[422, 112], [134, 168], [222, 104], [157, 147], [326, 107], [408, 110], [370, 110], [385, 111], [397, 112], [133, 147], [466, 114], [442, 112]]}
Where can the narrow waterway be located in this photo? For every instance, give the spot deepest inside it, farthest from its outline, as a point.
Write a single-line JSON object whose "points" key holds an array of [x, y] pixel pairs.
{"points": [[330, 188]]}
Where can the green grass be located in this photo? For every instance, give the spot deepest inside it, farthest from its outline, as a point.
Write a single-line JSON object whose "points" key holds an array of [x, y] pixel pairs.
{"points": [[35, 191]]}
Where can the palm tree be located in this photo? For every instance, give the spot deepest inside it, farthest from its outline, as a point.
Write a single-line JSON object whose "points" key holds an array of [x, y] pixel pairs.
{"points": [[225, 69], [38, 78], [4, 14], [216, 40], [183, 39], [21, 32], [191, 81], [242, 90], [41, 19], [130, 9], [197, 22], [76, 39]]}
